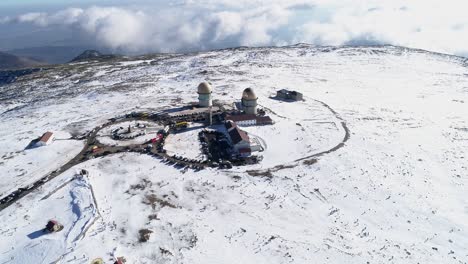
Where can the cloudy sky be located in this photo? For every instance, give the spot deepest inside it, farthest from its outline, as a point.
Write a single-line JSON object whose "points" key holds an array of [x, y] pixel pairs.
{"points": [[189, 25]]}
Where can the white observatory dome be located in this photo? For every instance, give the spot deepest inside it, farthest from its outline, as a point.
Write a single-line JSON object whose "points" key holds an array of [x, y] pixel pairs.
{"points": [[204, 88]]}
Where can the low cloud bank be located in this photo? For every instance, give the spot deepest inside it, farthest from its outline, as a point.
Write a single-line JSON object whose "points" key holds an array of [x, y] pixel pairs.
{"points": [[201, 25]]}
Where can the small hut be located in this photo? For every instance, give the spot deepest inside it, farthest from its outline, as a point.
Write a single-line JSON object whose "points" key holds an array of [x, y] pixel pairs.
{"points": [[53, 226], [45, 139], [289, 95]]}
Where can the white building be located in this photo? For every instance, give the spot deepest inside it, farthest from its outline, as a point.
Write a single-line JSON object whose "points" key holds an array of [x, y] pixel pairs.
{"points": [[46, 139], [249, 119], [204, 95], [243, 120], [255, 145]]}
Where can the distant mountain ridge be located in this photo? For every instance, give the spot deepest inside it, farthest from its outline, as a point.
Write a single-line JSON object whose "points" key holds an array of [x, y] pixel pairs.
{"points": [[92, 54], [50, 54], [87, 54], [10, 61]]}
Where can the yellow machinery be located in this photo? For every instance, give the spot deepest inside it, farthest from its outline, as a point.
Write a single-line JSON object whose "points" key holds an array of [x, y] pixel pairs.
{"points": [[181, 125]]}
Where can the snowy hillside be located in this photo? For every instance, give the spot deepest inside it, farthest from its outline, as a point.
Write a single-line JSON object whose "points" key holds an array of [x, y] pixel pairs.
{"points": [[371, 167]]}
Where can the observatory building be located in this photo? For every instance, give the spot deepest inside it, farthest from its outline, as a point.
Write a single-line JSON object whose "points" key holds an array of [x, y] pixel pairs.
{"points": [[249, 101], [204, 94]]}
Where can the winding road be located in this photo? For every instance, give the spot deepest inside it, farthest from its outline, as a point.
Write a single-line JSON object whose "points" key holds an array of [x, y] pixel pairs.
{"points": [[86, 154]]}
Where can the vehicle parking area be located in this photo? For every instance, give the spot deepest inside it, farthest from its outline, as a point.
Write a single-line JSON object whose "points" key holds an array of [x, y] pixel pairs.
{"points": [[215, 145]]}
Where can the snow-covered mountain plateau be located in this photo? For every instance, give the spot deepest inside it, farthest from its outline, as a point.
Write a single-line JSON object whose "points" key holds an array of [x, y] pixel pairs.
{"points": [[370, 167]]}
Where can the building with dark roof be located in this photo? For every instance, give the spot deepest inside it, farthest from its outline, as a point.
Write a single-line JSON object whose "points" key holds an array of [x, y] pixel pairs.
{"points": [[53, 226], [238, 136], [264, 120], [229, 125], [289, 95], [240, 140]]}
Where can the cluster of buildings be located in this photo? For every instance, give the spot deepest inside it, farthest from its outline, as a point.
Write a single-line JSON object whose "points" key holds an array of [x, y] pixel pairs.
{"points": [[205, 110], [242, 144], [246, 114]]}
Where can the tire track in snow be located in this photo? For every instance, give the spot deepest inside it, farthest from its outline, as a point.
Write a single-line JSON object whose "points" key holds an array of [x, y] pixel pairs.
{"points": [[346, 137], [339, 145]]}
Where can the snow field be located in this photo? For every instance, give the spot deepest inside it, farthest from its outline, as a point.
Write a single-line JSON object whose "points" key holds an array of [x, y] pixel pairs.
{"points": [[395, 193]]}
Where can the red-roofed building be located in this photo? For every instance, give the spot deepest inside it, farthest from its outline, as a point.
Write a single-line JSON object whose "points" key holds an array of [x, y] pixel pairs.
{"points": [[46, 139], [239, 138], [242, 144]]}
